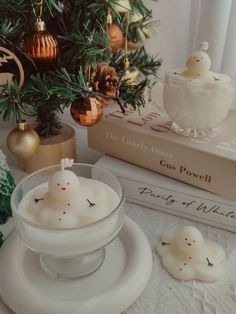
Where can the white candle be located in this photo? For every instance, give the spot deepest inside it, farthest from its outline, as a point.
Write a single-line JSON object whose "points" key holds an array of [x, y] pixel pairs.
{"points": [[186, 255], [93, 201], [197, 98], [63, 212]]}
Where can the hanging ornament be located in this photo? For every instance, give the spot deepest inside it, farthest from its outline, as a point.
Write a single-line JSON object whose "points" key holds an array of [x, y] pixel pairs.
{"points": [[116, 37], [11, 69], [121, 6], [40, 45], [115, 34], [104, 80], [87, 112], [23, 141], [131, 74], [142, 32]]}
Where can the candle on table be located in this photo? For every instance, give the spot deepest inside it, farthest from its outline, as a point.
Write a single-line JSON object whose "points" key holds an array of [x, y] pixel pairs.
{"points": [[187, 255]]}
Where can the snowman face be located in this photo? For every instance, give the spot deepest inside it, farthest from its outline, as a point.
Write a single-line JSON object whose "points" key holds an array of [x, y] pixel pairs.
{"points": [[199, 62], [189, 239], [64, 185]]}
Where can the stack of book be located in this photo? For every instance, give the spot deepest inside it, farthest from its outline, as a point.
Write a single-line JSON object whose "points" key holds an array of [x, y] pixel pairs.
{"points": [[146, 140]]}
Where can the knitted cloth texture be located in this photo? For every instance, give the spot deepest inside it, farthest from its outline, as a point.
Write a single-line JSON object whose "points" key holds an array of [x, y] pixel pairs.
{"points": [[6, 187]]}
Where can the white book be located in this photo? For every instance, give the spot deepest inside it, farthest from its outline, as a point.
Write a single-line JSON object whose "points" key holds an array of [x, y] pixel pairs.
{"points": [[162, 193]]}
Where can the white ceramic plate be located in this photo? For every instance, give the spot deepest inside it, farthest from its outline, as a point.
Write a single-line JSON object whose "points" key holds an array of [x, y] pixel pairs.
{"points": [[26, 289]]}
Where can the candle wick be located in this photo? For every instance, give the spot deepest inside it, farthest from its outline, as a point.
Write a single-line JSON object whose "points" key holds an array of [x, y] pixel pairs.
{"points": [[66, 163]]}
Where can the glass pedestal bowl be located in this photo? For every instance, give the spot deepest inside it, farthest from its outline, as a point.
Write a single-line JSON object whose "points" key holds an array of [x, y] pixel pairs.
{"points": [[195, 107], [69, 252]]}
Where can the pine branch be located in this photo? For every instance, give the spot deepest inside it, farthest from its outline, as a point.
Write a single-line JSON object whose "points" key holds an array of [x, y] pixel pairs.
{"points": [[80, 28], [132, 95], [54, 5], [147, 64], [9, 27], [92, 44], [138, 6], [13, 104]]}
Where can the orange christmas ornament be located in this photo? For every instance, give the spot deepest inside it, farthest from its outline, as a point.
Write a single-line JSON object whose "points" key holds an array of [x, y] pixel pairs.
{"points": [[40, 45], [116, 37], [87, 112]]}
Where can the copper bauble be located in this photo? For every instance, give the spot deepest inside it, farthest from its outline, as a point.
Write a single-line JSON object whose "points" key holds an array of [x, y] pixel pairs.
{"points": [[40, 45], [116, 37], [23, 141], [87, 112]]}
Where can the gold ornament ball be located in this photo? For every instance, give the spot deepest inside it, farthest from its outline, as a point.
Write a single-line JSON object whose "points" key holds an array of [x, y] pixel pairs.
{"points": [[116, 37], [23, 141], [40, 45], [87, 112]]}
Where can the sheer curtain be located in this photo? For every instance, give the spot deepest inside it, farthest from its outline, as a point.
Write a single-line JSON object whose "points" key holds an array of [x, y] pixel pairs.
{"points": [[215, 22], [185, 23]]}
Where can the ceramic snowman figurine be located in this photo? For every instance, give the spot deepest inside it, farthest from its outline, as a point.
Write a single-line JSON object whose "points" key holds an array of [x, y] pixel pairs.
{"points": [[187, 255]]}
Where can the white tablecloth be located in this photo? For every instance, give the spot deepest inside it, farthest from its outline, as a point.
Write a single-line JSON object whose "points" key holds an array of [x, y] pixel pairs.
{"points": [[165, 295]]}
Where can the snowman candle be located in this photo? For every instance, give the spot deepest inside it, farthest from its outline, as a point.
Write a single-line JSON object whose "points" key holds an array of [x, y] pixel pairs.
{"points": [[197, 99], [68, 201], [68, 216], [186, 255], [198, 64]]}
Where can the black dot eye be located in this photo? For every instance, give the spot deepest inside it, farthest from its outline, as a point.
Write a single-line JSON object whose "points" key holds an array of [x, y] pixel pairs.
{"points": [[186, 239], [58, 183], [68, 183], [194, 241]]}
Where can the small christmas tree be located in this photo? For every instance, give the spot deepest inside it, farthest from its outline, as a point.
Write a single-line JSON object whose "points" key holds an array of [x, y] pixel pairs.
{"points": [[74, 51]]}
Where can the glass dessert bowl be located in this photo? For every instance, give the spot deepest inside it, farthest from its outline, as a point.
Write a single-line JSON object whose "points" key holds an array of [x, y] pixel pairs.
{"points": [[197, 99], [195, 107], [69, 248]]}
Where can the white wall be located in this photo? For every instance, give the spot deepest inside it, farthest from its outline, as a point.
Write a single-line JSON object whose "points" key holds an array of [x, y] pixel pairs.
{"points": [[172, 36], [185, 23]]}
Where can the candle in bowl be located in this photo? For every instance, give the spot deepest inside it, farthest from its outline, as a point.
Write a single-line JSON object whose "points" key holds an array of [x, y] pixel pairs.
{"points": [[197, 99], [69, 216]]}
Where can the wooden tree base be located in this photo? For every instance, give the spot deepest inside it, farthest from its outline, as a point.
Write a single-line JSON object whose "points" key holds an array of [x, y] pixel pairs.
{"points": [[51, 151]]}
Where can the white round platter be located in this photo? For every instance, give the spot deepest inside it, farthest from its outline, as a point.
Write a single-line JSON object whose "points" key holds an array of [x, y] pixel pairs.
{"points": [[26, 289]]}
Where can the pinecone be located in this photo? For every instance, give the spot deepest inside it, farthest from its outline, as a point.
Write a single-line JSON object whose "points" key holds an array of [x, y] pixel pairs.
{"points": [[104, 80]]}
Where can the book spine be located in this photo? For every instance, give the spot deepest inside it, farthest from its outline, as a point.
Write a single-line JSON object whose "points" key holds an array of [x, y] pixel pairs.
{"points": [[183, 163], [157, 197]]}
